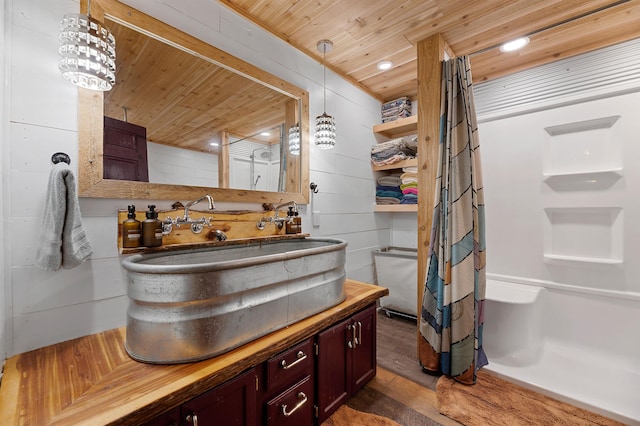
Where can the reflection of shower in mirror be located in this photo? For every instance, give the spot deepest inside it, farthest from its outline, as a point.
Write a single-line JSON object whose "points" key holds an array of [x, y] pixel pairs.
{"points": [[266, 155]]}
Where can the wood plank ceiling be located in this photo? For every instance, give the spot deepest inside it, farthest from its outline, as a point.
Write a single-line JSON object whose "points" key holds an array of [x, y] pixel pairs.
{"points": [[365, 32], [183, 100]]}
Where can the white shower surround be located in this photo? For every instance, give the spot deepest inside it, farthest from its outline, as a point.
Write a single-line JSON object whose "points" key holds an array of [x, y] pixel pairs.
{"points": [[576, 347], [563, 303]]}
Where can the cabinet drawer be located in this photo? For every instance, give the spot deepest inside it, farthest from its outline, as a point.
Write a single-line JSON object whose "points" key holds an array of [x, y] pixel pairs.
{"points": [[289, 366], [293, 407]]}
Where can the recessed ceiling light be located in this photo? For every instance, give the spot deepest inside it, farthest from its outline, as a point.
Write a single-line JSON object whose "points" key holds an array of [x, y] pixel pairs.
{"points": [[516, 44], [385, 65], [265, 134], [213, 143]]}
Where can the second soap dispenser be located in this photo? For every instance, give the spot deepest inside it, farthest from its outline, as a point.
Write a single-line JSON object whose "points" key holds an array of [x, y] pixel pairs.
{"points": [[151, 229]]}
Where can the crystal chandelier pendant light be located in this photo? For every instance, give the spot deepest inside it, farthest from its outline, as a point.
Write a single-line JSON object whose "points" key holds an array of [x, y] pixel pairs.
{"points": [[294, 140], [87, 52], [325, 128]]}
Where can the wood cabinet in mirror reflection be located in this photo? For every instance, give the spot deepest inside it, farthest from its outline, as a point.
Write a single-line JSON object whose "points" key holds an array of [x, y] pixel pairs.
{"points": [[125, 151]]}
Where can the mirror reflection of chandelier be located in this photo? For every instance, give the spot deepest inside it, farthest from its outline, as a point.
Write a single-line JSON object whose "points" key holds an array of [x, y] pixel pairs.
{"points": [[87, 52], [325, 129], [294, 140]]}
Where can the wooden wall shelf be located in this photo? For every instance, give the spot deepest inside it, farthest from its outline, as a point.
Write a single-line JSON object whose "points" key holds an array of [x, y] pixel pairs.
{"points": [[413, 162], [396, 208], [396, 128]]}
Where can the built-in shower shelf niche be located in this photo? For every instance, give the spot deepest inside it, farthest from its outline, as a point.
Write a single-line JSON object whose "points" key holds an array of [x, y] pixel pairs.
{"points": [[583, 180], [585, 154], [584, 235]]}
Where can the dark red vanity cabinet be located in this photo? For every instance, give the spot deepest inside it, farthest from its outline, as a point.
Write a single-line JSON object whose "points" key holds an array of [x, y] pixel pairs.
{"points": [[289, 396], [300, 386], [232, 403], [346, 360]]}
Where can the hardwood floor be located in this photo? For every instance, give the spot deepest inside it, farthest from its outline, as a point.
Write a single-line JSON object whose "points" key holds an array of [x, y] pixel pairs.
{"points": [[400, 390], [397, 349]]}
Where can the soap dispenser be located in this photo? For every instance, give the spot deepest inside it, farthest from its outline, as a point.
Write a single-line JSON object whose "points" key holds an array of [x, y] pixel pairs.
{"points": [[294, 222], [297, 223], [289, 227], [131, 229], [151, 229]]}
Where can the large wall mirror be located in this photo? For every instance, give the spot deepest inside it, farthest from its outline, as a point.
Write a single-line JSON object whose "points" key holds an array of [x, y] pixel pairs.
{"points": [[210, 122]]}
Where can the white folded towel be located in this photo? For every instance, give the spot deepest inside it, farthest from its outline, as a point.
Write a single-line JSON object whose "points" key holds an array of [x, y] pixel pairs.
{"points": [[63, 241]]}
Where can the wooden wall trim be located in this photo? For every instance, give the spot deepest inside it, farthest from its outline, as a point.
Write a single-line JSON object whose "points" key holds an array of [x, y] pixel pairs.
{"points": [[431, 53]]}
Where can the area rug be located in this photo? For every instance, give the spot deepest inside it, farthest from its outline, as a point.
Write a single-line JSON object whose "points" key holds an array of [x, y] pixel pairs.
{"points": [[347, 416], [494, 401], [372, 401]]}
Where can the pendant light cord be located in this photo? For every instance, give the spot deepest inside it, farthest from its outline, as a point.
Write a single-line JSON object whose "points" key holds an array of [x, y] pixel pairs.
{"points": [[324, 77]]}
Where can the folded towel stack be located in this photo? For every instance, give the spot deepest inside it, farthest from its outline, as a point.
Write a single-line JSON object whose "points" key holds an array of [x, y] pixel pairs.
{"points": [[398, 108], [388, 190], [394, 150], [409, 185]]}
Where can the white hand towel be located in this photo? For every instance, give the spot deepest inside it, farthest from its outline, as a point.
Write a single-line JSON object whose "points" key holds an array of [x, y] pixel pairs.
{"points": [[63, 241]]}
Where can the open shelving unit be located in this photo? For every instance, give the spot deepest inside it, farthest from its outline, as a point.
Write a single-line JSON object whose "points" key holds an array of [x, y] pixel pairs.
{"points": [[393, 129]]}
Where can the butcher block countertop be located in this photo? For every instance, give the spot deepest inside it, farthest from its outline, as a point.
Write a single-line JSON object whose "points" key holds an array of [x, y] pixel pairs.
{"points": [[92, 381]]}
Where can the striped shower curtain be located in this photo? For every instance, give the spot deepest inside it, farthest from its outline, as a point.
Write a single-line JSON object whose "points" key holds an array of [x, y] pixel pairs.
{"points": [[451, 317]]}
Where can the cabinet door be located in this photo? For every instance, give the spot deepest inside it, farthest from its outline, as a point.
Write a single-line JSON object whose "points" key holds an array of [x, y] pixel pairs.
{"points": [[232, 403], [332, 369], [363, 363]]}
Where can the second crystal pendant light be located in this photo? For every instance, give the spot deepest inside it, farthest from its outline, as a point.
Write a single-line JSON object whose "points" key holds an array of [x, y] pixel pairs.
{"points": [[325, 129]]}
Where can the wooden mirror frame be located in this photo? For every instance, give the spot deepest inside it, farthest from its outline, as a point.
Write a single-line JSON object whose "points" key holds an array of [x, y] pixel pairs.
{"points": [[91, 110]]}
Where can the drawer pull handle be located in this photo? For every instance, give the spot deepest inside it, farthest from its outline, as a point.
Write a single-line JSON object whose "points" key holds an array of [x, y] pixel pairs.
{"points": [[301, 356], [303, 399], [192, 418]]}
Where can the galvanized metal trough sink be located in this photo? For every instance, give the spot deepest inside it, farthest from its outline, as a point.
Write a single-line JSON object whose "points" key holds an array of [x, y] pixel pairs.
{"points": [[194, 304]]}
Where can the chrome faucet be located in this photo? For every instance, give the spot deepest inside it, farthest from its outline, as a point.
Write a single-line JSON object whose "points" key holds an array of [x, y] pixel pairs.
{"points": [[290, 203], [193, 203], [279, 221], [196, 225]]}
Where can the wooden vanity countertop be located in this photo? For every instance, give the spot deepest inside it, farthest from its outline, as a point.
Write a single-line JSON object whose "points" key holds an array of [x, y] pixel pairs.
{"points": [[92, 381]]}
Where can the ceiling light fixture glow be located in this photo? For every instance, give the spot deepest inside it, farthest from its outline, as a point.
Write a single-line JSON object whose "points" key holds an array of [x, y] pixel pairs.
{"points": [[513, 45], [385, 65]]}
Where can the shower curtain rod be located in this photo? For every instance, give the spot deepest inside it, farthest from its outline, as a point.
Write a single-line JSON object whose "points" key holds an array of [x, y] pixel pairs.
{"points": [[557, 24]]}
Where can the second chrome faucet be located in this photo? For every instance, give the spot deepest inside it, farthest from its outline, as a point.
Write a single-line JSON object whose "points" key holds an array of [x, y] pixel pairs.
{"points": [[197, 225]]}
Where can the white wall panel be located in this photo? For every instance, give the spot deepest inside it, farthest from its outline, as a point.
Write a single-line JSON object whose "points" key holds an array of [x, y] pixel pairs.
{"points": [[37, 95], [57, 325], [88, 282]]}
